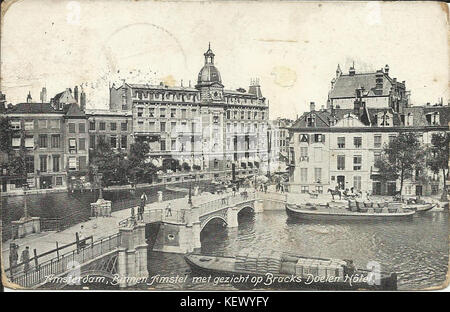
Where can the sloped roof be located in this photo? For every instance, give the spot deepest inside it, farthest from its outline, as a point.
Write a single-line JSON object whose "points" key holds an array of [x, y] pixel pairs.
{"points": [[32, 108], [73, 110], [322, 119], [346, 85], [375, 111]]}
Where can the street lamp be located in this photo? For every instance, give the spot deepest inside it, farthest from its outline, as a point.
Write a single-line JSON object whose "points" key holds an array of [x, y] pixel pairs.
{"points": [[25, 208]]}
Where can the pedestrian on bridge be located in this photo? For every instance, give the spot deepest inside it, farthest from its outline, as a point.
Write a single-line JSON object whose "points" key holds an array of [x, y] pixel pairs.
{"points": [[25, 259], [168, 210], [142, 206]]}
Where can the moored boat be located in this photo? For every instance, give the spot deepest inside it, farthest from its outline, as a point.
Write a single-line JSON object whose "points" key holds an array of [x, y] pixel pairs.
{"points": [[420, 207], [350, 212], [292, 272]]}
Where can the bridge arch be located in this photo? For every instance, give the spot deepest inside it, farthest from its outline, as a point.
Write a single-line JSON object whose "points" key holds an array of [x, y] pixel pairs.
{"points": [[209, 219], [246, 206]]}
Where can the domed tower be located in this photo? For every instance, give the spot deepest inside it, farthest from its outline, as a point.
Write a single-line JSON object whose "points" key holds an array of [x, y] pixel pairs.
{"points": [[209, 81]]}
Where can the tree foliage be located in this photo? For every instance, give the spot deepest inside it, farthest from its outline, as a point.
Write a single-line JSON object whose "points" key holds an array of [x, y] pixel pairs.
{"points": [[15, 158], [401, 158], [438, 153], [117, 168]]}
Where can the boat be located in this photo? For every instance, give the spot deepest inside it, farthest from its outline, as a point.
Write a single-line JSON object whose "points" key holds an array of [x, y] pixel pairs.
{"points": [[224, 269], [343, 212], [420, 207]]}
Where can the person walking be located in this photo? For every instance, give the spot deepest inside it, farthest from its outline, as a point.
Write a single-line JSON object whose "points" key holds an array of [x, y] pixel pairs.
{"points": [[142, 206], [25, 259], [168, 210], [13, 257]]}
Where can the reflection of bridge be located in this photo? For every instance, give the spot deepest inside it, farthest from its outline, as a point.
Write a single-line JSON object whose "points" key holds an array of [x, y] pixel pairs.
{"points": [[125, 254]]}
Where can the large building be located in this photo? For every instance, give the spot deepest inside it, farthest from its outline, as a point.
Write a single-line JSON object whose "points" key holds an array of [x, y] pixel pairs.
{"points": [[203, 127], [338, 146]]}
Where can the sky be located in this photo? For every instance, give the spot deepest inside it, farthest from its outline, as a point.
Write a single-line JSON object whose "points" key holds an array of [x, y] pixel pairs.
{"points": [[292, 47]]}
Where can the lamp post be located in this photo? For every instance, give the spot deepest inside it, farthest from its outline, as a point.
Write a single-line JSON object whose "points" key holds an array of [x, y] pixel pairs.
{"points": [[190, 191], [25, 207]]}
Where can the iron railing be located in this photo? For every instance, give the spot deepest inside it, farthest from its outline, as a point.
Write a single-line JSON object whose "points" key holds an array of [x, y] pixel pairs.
{"points": [[64, 263]]}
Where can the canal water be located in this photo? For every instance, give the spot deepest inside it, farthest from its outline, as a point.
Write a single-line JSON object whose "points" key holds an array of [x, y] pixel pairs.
{"points": [[416, 249]]}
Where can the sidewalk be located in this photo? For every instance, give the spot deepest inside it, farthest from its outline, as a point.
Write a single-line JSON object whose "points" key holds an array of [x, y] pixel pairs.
{"points": [[98, 228]]}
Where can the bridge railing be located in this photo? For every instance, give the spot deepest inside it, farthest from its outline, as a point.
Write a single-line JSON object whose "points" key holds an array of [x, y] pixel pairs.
{"points": [[225, 201], [155, 215], [64, 263]]}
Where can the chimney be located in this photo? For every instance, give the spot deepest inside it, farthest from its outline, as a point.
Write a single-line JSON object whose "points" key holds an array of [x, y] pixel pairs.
{"points": [[386, 69], [43, 95], [312, 106], [255, 88], [379, 79], [82, 100], [29, 99], [352, 71], [75, 93]]}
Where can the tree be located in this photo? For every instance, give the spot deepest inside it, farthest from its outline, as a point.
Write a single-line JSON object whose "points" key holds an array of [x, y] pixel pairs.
{"points": [[437, 159], [140, 169], [15, 164], [401, 157]]}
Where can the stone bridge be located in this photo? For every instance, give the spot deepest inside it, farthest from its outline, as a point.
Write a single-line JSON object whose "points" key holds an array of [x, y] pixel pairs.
{"points": [[180, 232]]}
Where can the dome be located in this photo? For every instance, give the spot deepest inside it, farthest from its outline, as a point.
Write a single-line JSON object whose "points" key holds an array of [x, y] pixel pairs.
{"points": [[209, 74]]}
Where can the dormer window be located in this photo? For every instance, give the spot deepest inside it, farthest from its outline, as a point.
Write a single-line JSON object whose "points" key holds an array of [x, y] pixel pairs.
{"points": [[433, 119], [385, 120], [310, 121]]}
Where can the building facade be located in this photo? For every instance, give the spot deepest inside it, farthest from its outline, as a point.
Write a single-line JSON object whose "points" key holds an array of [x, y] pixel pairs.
{"points": [[204, 127], [338, 146]]}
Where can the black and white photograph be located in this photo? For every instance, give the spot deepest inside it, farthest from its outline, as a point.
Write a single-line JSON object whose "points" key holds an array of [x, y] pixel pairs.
{"points": [[224, 146]]}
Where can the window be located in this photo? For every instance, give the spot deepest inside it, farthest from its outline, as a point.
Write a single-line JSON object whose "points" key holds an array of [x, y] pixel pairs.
{"points": [[357, 183], [317, 175], [82, 161], [228, 114], [92, 125], [317, 154], [113, 126], [56, 159], [385, 120], [319, 138], [319, 189], [58, 181], [151, 126], [304, 138], [391, 138], [303, 153], [92, 141], [81, 128], [377, 141], [56, 140], [357, 161], [310, 121], [341, 162], [43, 163], [15, 125], [124, 126], [341, 142], [140, 112], [15, 142], [163, 145], [304, 189], [162, 127], [42, 124], [29, 125], [123, 142], [82, 144], [113, 141], [152, 112], [162, 113], [43, 141], [72, 145], [29, 163], [173, 112], [376, 158], [173, 144], [357, 141], [29, 142], [102, 126], [303, 175], [71, 127]]}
